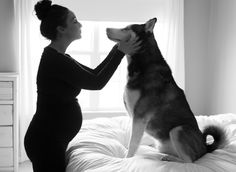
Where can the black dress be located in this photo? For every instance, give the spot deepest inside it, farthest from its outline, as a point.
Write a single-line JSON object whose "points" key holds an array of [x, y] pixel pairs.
{"points": [[58, 116]]}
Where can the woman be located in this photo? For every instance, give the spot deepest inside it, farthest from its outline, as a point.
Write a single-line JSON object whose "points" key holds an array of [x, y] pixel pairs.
{"points": [[60, 79]]}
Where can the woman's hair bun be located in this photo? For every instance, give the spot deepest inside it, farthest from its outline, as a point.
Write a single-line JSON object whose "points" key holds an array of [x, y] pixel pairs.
{"points": [[42, 8]]}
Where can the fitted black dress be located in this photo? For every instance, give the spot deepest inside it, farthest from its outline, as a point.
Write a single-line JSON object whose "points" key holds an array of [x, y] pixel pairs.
{"points": [[58, 116]]}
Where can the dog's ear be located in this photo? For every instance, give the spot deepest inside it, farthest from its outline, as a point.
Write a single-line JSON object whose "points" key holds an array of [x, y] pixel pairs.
{"points": [[149, 25]]}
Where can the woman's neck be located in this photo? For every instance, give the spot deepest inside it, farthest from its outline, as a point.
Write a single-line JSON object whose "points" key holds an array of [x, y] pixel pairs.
{"points": [[59, 45]]}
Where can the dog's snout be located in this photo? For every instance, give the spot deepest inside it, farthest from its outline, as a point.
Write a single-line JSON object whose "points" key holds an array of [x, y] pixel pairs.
{"points": [[108, 30]]}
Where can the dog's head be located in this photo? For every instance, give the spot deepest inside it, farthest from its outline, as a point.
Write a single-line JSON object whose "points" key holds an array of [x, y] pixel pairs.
{"points": [[149, 52], [132, 31]]}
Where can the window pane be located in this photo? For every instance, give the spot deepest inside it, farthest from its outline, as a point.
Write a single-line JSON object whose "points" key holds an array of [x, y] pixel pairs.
{"points": [[84, 99], [111, 96]]}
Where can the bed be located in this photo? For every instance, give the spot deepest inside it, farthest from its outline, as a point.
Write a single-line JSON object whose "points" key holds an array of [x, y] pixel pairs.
{"points": [[101, 145]]}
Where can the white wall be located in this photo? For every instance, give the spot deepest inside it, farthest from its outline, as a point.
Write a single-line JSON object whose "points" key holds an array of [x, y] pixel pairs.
{"points": [[221, 65], [196, 19], [210, 40], [8, 59]]}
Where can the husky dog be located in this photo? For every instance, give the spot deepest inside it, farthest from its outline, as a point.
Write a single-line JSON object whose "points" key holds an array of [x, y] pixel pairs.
{"points": [[157, 105]]}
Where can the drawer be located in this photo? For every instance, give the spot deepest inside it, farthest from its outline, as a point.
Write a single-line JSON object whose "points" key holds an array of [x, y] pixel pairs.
{"points": [[6, 157], [6, 137], [6, 114], [6, 90]]}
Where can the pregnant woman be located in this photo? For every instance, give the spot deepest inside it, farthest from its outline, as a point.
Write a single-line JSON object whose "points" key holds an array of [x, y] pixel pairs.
{"points": [[60, 78]]}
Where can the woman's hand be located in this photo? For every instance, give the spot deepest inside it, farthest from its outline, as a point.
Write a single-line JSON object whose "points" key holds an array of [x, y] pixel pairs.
{"points": [[129, 47]]}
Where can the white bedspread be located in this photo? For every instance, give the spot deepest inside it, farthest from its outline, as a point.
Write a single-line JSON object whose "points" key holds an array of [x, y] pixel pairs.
{"points": [[101, 145]]}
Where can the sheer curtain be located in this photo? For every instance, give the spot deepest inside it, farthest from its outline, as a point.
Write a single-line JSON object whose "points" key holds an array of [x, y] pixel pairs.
{"points": [[170, 37], [168, 31], [29, 48]]}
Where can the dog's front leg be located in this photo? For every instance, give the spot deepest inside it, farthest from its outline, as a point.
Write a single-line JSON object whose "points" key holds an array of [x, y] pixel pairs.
{"points": [[137, 131]]}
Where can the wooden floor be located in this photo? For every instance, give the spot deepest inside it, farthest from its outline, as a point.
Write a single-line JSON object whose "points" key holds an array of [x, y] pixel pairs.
{"points": [[25, 167]]}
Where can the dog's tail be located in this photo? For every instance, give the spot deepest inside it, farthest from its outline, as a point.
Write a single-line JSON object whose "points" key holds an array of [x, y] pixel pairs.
{"points": [[219, 136]]}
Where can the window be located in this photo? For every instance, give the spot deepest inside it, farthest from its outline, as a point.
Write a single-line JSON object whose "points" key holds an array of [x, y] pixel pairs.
{"points": [[90, 50]]}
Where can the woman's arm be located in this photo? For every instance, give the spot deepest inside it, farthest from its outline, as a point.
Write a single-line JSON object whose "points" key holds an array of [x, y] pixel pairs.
{"points": [[70, 71], [106, 60], [73, 73], [97, 80], [102, 64]]}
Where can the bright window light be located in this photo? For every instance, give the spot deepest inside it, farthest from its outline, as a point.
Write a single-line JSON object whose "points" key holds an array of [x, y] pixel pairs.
{"points": [[91, 50]]}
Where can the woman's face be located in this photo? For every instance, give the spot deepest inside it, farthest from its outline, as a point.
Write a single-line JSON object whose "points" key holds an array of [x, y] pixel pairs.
{"points": [[73, 27]]}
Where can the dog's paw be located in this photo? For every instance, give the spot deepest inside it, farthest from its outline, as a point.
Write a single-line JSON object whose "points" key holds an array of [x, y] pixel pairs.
{"points": [[171, 158]]}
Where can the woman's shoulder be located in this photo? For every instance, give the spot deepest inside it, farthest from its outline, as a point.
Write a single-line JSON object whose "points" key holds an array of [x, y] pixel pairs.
{"points": [[50, 53], [54, 59]]}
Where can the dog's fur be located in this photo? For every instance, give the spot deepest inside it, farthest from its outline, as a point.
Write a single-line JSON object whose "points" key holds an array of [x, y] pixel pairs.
{"points": [[157, 105]]}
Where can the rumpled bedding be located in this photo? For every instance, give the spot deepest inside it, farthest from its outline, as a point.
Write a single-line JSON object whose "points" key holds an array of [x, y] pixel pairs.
{"points": [[101, 146]]}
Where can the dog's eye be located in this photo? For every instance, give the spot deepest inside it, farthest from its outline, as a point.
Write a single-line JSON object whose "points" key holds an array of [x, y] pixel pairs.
{"points": [[124, 29]]}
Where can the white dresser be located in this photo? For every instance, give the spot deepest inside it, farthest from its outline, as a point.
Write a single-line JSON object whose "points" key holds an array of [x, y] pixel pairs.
{"points": [[8, 123]]}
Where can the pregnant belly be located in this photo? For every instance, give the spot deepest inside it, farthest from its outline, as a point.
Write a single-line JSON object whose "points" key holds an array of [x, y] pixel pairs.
{"points": [[62, 121]]}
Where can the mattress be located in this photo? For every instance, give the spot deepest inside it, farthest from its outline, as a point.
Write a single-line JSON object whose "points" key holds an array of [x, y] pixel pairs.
{"points": [[101, 146]]}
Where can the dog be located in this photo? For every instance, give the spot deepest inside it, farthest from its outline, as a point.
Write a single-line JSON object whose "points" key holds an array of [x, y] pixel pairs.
{"points": [[157, 105]]}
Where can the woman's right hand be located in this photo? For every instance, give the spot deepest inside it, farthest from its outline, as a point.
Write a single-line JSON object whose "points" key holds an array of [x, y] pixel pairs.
{"points": [[129, 47]]}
